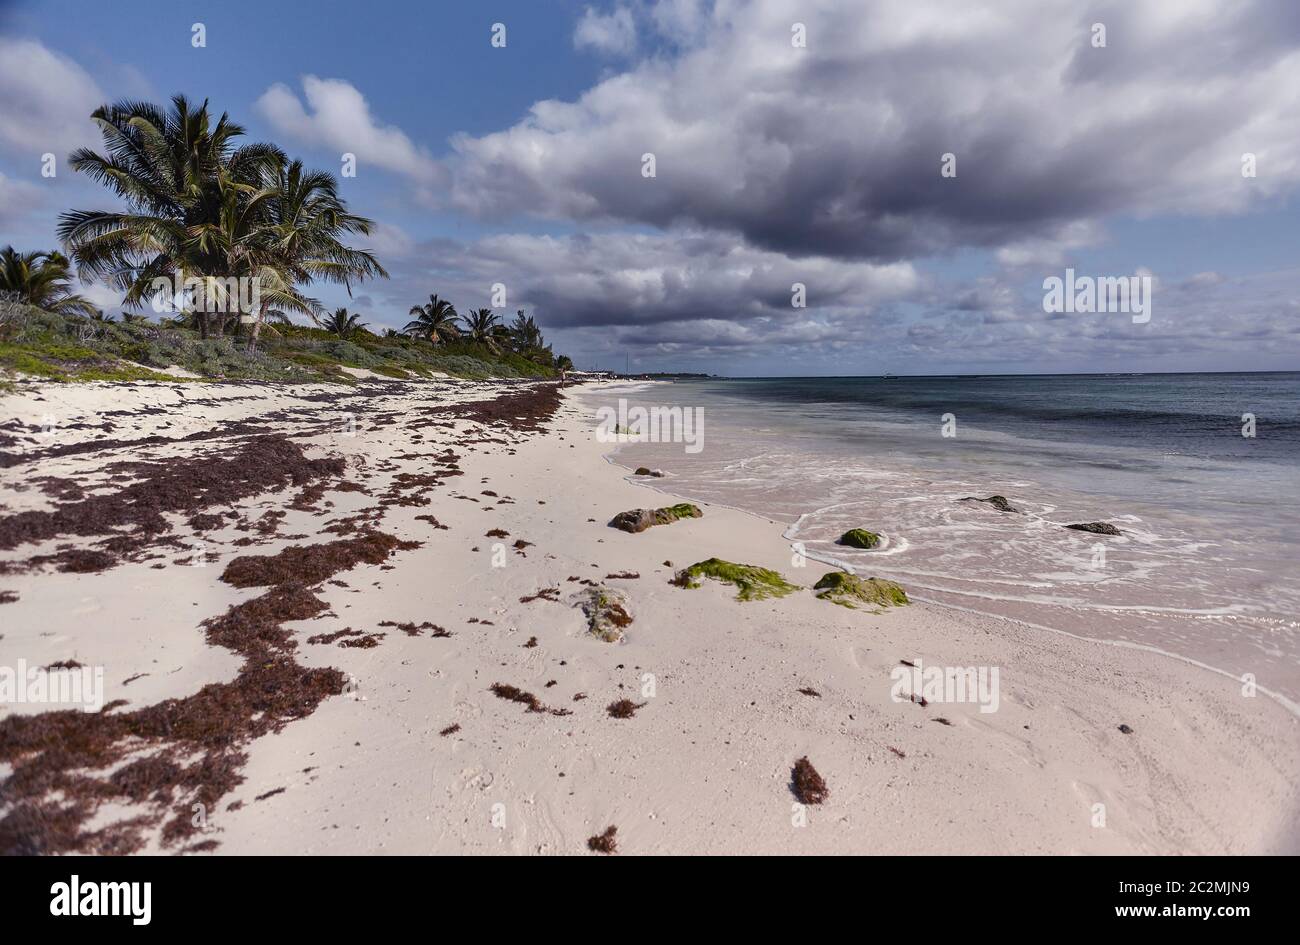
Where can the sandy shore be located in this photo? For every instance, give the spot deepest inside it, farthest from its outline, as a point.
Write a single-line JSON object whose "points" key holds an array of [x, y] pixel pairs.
{"points": [[339, 699]]}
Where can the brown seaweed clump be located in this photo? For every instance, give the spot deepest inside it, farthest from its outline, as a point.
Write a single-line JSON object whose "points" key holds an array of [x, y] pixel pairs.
{"points": [[180, 757], [524, 412], [261, 464], [412, 629], [623, 708], [807, 784], [604, 842], [547, 593], [515, 694], [175, 761], [311, 564]]}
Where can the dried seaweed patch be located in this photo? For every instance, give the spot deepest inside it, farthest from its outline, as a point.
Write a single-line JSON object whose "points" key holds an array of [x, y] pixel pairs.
{"points": [[623, 708], [807, 784], [604, 842]]}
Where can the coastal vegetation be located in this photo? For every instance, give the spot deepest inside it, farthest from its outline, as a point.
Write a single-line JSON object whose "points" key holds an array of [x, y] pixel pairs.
{"points": [[435, 321], [54, 347], [343, 323], [225, 240], [42, 279]]}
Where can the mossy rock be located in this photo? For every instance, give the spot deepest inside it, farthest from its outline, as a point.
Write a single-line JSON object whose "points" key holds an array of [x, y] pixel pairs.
{"points": [[849, 590], [859, 538], [638, 520], [606, 612], [755, 583]]}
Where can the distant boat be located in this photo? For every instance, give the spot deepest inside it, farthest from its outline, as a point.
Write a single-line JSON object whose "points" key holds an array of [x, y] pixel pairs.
{"points": [[889, 377]]}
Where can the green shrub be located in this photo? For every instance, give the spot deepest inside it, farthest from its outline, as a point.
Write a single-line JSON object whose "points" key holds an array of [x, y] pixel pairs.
{"points": [[45, 344]]}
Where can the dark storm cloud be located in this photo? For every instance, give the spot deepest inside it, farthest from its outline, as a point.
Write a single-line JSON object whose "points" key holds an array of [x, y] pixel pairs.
{"points": [[834, 150], [616, 278]]}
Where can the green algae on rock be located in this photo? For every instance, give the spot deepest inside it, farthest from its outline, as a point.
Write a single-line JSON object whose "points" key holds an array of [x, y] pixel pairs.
{"points": [[638, 520], [755, 583], [859, 538], [606, 611], [849, 590]]}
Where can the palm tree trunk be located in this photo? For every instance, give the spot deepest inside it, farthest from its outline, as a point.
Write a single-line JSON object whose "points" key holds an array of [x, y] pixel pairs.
{"points": [[257, 327]]}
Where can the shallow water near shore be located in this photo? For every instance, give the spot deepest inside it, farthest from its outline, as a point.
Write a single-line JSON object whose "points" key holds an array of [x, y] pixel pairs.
{"points": [[1205, 567]]}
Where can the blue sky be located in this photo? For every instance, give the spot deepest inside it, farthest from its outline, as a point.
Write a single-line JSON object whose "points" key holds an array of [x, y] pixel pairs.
{"points": [[775, 164]]}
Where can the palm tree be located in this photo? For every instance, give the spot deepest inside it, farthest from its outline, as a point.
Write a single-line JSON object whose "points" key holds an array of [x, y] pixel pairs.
{"points": [[307, 221], [481, 326], [201, 208], [42, 279], [435, 322], [242, 243], [564, 363], [525, 336], [343, 324], [174, 170]]}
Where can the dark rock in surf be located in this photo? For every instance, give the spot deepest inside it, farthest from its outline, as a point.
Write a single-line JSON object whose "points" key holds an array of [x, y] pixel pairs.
{"points": [[859, 538], [999, 502], [1097, 528]]}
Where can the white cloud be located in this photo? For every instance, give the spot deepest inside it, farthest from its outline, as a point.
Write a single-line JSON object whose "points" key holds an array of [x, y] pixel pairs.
{"points": [[1203, 280], [103, 296], [389, 241], [678, 20], [18, 199], [1050, 248], [612, 33], [337, 116], [46, 103]]}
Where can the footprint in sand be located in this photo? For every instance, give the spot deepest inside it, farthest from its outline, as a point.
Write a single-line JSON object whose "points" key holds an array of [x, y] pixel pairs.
{"points": [[465, 709], [1017, 699], [87, 605], [1016, 745], [537, 833], [1090, 794], [475, 779]]}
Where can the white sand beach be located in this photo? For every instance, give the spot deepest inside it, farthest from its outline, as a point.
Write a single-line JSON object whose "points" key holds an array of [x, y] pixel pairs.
{"points": [[417, 754]]}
